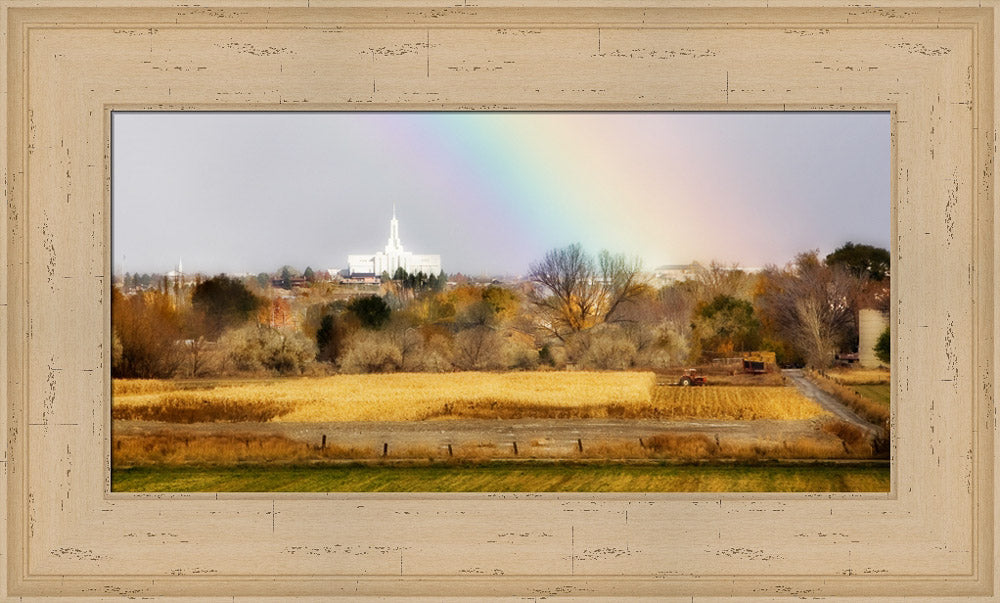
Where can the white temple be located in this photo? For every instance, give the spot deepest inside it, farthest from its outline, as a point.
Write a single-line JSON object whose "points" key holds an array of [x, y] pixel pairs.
{"points": [[393, 257]]}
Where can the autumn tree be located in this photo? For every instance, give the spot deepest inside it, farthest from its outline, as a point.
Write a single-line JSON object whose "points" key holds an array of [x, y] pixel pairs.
{"points": [[719, 279], [573, 292], [501, 300], [222, 302], [727, 325], [146, 328], [808, 304]]}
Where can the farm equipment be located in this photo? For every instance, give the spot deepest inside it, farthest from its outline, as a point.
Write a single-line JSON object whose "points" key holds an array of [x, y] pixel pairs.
{"points": [[691, 377], [756, 363]]}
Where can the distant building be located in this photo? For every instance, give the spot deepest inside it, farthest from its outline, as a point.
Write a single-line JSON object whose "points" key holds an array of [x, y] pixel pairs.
{"points": [[669, 274], [672, 273], [176, 275], [392, 258]]}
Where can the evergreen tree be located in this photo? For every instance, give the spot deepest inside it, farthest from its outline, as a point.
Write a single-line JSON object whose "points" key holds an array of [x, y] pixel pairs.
{"points": [[224, 302], [861, 260], [371, 311], [883, 346]]}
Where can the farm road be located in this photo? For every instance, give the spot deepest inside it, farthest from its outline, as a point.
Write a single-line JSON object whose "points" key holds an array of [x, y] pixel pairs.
{"points": [[828, 402], [553, 434]]}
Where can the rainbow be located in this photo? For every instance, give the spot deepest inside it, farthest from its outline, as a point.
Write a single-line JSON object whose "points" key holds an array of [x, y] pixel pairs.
{"points": [[666, 187]]}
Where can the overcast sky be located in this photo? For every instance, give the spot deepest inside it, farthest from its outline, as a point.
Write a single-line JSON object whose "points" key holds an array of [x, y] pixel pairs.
{"points": [[492, 192]]}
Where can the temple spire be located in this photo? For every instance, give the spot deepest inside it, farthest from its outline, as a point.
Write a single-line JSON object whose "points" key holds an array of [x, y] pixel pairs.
{"points": [[394, 242]]}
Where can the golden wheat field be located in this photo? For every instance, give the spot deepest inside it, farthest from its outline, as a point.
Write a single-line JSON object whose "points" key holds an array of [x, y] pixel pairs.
{"points": [[735, 403], [390, 397], [423, 396]]}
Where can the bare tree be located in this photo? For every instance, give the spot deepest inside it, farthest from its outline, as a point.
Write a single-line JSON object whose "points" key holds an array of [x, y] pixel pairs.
{"points": [[478, 348], [574, 293], [148, 328], [809, 305], [722, 279], [622, 282]]}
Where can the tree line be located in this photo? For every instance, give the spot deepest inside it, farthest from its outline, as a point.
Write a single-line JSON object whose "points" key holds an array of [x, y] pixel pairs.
{"points": [[598, 311]]}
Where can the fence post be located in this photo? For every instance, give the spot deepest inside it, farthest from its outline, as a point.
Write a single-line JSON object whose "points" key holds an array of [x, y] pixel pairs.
{"points": [[323, 445], [515, 448], [385, 449], [449, 450], [579, 444]]}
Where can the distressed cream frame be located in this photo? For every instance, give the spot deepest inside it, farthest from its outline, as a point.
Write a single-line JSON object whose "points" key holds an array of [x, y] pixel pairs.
{"points": [[68, 63]]}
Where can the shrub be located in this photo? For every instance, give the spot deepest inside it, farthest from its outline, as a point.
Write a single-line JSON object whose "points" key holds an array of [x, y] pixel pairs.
{"points": [[662, 347], [545, 356], [258, 348], [330, 337], [372, 353], [520, 357], [609, 352], [478, 348], [435, 354], [857, 441], [605, 348]]}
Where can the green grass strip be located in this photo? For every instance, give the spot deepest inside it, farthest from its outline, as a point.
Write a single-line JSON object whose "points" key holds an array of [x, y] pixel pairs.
{"points": [[876, 393], [500, 477]]}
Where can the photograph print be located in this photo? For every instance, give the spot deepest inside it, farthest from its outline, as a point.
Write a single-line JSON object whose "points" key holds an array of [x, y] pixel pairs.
{"points": [[500, 302]]}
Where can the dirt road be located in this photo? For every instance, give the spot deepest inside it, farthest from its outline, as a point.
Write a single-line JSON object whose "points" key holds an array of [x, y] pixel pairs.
{"points": [[540, 433], [828, 402]]}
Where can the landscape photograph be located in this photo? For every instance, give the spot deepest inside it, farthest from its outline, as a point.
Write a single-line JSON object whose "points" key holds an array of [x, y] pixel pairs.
{"points": [[500, 302]]}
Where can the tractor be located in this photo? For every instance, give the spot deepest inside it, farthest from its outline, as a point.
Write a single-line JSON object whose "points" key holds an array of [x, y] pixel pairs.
{"points": [[691, 377]]}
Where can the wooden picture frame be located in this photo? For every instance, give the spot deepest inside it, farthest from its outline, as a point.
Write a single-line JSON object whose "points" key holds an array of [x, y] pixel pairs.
{"points": [[68, 64]]}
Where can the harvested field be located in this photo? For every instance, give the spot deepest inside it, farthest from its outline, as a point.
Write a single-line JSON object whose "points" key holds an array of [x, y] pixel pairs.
{"points": [[422, 396], [398, 397], [716, 378], [735, 403]]}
